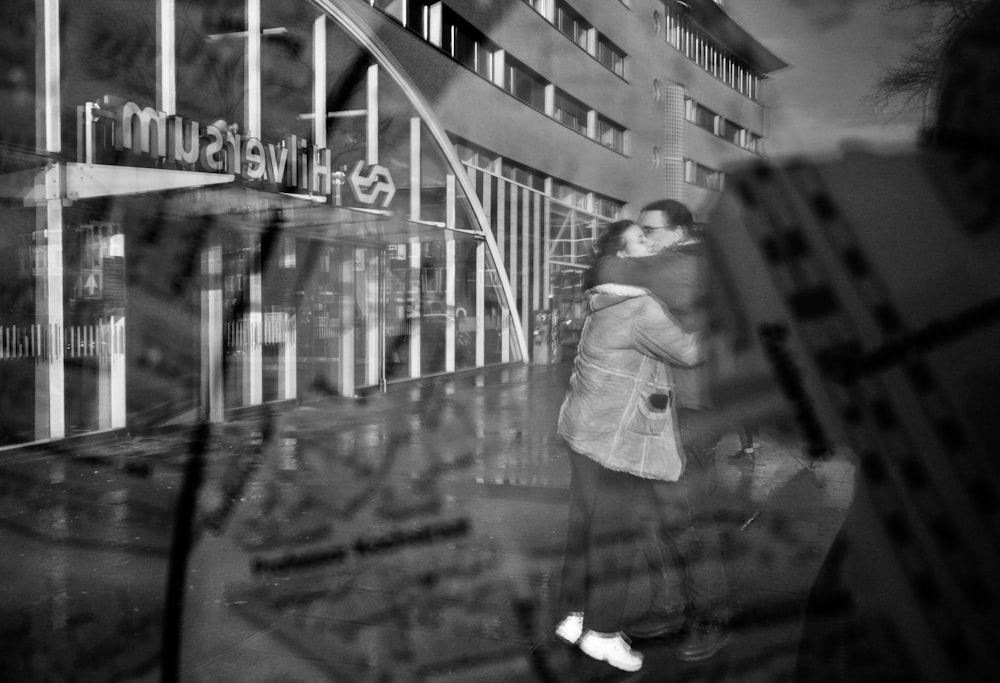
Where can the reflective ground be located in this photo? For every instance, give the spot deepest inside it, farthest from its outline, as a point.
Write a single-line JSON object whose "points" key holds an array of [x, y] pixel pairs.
{"points": [[413, 536]]}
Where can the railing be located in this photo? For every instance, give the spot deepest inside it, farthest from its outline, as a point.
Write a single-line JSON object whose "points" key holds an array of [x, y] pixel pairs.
{"points": [[242, 335], [279, 328], [39, 342]]}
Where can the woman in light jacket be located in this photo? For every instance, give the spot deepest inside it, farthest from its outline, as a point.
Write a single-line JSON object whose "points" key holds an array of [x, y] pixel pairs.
{"points": [[619, 420]]}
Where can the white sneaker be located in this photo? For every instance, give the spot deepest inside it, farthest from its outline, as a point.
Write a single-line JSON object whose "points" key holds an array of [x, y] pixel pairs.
{"points": [[611, 648], [570, 628]]}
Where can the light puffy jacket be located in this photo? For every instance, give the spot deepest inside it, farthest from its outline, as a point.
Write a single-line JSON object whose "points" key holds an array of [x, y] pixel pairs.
{"points": [[619, 409]]}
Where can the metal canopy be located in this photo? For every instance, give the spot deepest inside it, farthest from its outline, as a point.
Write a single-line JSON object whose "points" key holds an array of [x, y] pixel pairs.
{"points": [[72, 181]]}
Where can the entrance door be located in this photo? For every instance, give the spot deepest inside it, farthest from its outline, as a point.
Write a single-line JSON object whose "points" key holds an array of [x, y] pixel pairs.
{"points": [[340, 318], [320, 329]]}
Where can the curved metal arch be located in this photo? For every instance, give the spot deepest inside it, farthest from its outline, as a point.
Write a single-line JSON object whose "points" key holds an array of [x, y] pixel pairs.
{"points": [[362, 33]]}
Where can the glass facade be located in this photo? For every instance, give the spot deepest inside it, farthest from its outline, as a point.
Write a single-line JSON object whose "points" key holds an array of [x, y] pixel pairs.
{"points": [[210, 206]]}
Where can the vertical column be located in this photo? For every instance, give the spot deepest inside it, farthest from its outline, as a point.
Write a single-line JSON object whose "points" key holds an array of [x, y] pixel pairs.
{"points": [[50, 403], [513, 226], [253, 367], [449, 275], [253, 361], [319, 139], [375, 328], [526, 229], [501, 223], [371, 104], [549, 11], [546, 246], [288, 367], [538, 246], [253, 94], [550, 100], [319, 82], [345, 258], [673, 141], [374, 324], [111, 359], [499, 68], [166, 101], [413, 299], [212, 404], [166, 72], [481, 276]]}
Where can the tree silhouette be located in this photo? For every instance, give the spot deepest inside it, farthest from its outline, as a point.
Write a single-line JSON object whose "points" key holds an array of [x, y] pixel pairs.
{"points": [[912, 83]]}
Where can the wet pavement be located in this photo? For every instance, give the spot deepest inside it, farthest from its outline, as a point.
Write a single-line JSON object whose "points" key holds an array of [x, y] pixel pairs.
{"points": [[410, 536]]}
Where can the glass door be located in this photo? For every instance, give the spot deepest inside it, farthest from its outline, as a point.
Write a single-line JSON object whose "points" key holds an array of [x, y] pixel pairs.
{"points": [[319, 303]]}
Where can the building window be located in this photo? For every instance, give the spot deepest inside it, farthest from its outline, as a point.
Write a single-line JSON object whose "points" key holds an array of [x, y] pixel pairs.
{"points": [[570, 112], [701, 49], [610, 134], [524, 84], [521, 174], [749, 141], [720, 126], [611, 56], [474, 155], [394, 8], [703, 176], [701, 116], [468, 46], [572, 25], [410, 15], [571, 194], [730, 131], [607, 207]]}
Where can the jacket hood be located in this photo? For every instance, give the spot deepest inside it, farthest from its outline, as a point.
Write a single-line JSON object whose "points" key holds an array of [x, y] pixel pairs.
{"points": [[610, 294]]}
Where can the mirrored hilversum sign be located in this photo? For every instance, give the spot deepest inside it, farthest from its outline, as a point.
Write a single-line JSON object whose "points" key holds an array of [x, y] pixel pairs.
{"points": [[294, 164]]}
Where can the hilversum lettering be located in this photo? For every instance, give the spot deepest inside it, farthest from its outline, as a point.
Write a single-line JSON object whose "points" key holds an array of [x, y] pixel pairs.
{"points": [[293, 163]]}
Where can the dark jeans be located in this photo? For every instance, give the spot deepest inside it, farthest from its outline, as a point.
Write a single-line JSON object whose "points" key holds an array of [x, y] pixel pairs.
{"points": [[605, 509], [681, 543]]}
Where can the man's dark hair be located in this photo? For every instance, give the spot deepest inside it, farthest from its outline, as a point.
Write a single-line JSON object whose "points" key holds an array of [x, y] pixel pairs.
{"points": [[677, 213]]}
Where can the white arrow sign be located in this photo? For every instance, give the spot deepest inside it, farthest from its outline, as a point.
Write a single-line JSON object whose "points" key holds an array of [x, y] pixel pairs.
{"points": [[374, 181]]}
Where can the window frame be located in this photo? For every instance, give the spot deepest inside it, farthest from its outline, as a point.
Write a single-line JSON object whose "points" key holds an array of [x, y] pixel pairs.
{"points": [[578, 123]]}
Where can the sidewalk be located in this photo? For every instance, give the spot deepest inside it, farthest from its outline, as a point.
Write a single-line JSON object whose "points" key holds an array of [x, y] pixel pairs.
{"points": [[412, 536]]}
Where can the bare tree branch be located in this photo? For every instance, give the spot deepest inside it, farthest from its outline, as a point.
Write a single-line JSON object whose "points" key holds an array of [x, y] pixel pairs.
{"points": [[910, 83]]}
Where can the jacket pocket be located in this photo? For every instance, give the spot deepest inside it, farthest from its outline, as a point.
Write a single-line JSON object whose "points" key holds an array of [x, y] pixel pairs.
{"points": [[652, 414]]}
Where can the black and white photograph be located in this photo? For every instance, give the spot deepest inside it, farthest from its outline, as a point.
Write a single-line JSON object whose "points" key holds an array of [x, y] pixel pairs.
{"points": [[535, 341]]}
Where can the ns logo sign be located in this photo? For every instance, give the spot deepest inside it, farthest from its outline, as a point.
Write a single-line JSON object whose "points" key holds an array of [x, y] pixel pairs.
{"points": [[368, 182]]}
